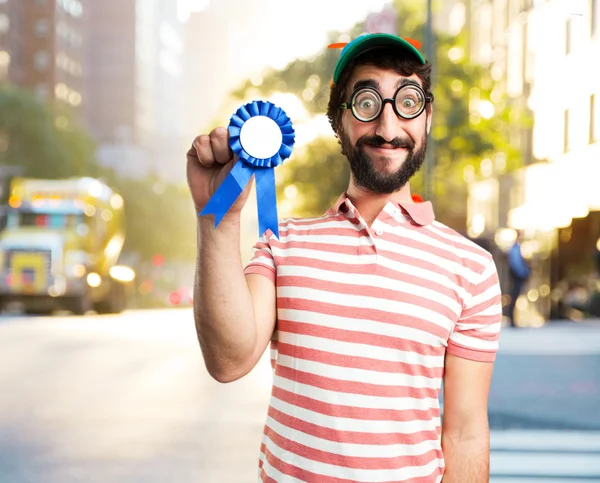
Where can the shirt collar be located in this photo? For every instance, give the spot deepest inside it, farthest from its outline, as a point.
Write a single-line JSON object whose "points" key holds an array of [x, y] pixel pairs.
{"points": [[421, 213]]}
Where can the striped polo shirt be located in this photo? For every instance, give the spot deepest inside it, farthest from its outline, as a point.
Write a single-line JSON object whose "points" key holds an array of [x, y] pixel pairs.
{"points": [[365, 316]]}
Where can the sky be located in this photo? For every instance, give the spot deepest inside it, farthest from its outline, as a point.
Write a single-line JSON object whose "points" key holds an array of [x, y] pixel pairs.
{"points": [[288, 29]]}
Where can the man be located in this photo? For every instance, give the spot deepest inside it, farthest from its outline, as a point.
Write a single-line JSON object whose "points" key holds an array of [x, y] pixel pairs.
{"points": [[519, 273], [367, 308]]}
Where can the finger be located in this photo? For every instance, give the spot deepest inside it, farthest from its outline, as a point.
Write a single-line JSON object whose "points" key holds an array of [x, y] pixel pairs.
{"points": [[204, 151], [219, 140]]}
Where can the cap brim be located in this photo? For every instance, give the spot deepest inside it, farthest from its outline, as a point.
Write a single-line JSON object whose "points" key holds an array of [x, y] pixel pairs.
{"points": [[370, 42]]}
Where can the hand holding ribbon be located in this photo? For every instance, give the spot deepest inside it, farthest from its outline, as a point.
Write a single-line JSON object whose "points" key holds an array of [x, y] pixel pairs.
{"points": [[262, 136]]}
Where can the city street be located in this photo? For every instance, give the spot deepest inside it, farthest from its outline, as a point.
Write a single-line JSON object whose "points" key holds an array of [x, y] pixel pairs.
{"points": [[127, 399]]}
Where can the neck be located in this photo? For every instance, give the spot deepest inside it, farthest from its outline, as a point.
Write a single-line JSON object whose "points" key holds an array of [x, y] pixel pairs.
{"points": [[370, 204]]}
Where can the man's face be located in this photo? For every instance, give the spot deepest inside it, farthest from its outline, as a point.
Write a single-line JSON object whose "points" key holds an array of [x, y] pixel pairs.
{"points": [[386, 152]]}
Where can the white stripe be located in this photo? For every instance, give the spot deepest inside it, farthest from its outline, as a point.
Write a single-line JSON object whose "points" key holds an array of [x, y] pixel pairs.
{"points": [[366, 476], [263, 261], [491, 328], [455, 238], [395, 309], [370, 280], [351, 450], [451, 266], [361, 325], [420, 236], [358, 425], [327, 222], [424, 274], [350, 374], [361, 350], [322, 255], [363, 259], [491, 311], [354, 400], [485, 296], [276, 474], [330, 239]]}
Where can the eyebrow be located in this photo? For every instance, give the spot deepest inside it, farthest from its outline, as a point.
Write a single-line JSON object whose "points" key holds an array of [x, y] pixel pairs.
{"points": [[375, 85]]}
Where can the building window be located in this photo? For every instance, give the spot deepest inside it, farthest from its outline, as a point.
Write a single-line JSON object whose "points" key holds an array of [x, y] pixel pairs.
{"points": [[42, 91], [42, 27], [566, 133], [568, 37], [594, 17], [41, 60], [4, 23], [4, 64], [593, 119]]}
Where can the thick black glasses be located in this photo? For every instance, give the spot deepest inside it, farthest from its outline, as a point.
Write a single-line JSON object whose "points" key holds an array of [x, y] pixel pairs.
{"points": [[408, 102]]}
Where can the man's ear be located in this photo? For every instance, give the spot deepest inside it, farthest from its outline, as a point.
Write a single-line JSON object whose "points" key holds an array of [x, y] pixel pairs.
{"points": [[429, 118]]}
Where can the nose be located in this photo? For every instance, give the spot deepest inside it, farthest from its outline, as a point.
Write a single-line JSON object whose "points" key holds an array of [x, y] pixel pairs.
{"points": [[387, 123]]}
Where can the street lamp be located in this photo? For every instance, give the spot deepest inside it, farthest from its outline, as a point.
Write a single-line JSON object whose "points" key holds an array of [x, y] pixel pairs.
{"points": [[429, 160]]}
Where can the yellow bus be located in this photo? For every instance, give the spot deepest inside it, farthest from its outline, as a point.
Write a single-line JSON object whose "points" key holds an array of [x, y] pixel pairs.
{"points": [[61, 246]]}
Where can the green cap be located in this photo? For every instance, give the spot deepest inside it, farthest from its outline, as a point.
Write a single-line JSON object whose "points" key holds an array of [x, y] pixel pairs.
{"points": [[373, 41]]}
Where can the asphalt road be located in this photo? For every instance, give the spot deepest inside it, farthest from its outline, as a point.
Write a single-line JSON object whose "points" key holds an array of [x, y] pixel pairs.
{"points": [[127, 399]]}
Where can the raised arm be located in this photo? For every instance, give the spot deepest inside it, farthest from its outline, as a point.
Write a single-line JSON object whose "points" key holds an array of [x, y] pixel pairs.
{"points": [[234, 314]]}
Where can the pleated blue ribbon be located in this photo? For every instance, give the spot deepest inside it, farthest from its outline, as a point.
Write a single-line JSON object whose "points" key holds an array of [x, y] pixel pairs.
{"points": [[249, 164]]}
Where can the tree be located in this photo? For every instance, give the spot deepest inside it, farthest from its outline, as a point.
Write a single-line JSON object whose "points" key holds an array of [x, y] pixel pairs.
{"points": [[471, 123], [46, 142], [41, 138], [159, 218]]}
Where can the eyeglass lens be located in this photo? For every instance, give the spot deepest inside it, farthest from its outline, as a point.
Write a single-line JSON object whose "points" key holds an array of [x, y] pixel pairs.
{"points": [[367, 103]]}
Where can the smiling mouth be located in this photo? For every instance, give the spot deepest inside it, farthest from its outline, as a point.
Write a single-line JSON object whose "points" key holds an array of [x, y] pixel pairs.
{"points": [[387, 149]]}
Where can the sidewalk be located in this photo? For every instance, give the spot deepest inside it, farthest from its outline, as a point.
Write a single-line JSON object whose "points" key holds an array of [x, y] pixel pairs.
{"points": [[547, 377]]}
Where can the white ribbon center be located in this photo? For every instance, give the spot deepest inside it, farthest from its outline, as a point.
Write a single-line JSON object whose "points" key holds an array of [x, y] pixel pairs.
{"points": [[261, 137]]}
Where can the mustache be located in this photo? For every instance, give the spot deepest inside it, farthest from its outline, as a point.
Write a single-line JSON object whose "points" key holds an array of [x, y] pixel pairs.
{"points": [[378, 141]]}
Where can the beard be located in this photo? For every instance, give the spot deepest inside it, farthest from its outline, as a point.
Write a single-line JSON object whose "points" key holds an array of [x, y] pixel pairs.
{"points": [[365, 173]]}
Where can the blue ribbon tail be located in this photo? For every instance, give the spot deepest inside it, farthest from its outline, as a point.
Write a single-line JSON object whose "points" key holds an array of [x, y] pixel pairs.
{"points": [[266, 201], [229, 190]]}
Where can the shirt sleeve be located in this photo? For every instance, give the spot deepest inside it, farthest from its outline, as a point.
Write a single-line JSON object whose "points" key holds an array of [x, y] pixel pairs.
{"points": [[262, 261], [475, 335]]}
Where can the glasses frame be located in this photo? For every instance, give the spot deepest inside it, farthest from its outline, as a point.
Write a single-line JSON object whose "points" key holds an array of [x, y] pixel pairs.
{"points": [[392, 100]]}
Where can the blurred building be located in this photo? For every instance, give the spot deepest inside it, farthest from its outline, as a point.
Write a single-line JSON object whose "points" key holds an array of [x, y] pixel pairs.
{"points": [[135, 55], [42, 48], [540, 53]]}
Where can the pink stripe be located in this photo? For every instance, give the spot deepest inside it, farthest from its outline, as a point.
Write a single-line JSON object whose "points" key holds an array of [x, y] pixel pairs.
{"points": [[310, 477], [359, 337], [324, 247], [352, 412], [368, 269], [357, 462], [470, 353], [353, 387], [346, 230], [457, 240], [352, 437], [448, 253], [355, 362], [471, 314], [367, 291], [364, 314]]}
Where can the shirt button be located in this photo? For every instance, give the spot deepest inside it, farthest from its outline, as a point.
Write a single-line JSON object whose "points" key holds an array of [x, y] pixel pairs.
{"points": [[379, 232], [394, 211]]}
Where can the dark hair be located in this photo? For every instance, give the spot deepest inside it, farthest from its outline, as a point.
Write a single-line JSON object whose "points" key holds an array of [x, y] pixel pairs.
{"points": [[384, 59]]}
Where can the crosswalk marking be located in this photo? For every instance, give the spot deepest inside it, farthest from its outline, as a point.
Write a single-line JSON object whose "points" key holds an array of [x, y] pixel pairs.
{"points": [[523, 456]]}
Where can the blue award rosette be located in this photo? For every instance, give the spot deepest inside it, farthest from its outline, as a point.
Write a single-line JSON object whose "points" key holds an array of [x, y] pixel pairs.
{"points": [[262, 136]]}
